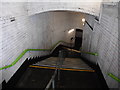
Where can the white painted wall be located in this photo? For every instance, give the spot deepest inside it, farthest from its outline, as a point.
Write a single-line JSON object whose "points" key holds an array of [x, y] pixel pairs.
{"points": [[14, 36], [88, 37], [33, 30], [104, 40], [57, 24], [0, 47], [37, 6], [30, 32]]}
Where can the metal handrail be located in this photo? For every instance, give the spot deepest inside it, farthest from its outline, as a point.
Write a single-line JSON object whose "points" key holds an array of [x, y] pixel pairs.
{"points": [[57, 71], [52, 81], [91, 53]]}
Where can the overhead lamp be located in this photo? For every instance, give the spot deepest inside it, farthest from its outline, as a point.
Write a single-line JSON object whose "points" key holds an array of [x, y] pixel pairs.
{"points": [[83, 20], [70, 31]]}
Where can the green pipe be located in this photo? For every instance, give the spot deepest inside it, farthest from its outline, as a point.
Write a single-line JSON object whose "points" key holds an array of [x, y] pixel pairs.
{"points": [[91, 53], [23, 53], [114, 77], [26, 50], [38, 49]]}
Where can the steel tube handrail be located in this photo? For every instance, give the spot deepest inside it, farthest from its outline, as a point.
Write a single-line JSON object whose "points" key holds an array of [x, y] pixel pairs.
{"points": [[57, 71], [91, 53], [51, 80]]}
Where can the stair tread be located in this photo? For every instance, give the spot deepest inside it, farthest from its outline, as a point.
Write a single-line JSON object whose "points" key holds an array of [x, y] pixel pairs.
{"points": [[75, 63], [35, 78]]}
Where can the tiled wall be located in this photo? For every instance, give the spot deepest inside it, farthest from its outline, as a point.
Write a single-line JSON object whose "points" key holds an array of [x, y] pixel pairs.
{"points": [[19, 31], [104, 40], [14, 22]]}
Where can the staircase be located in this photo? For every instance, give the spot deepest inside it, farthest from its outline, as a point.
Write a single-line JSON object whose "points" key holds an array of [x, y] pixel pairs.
{"points": [[73, 72]]}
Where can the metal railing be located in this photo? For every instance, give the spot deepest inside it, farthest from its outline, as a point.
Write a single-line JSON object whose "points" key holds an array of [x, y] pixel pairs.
{"points": [[56, 74], [73, 50], [52, 81]]}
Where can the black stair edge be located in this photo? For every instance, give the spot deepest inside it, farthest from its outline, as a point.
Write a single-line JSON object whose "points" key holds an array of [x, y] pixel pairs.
{"points": [[14, 79], [98, 71]]}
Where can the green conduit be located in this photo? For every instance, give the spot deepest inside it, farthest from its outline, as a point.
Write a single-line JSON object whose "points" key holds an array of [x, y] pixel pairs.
{"points": [[26, 50], [91, 53], [114, 77]]}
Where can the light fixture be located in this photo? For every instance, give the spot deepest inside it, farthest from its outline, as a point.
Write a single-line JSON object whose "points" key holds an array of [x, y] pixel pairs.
{"points": [[83, 20], [83, 24], [70, 31]]}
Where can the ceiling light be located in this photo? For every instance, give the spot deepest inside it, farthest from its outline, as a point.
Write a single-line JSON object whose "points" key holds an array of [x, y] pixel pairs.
{"points": [[70, 31], [83, 19]]}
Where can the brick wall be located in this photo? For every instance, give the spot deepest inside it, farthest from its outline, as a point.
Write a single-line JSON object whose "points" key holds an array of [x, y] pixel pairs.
{"points": [[21, 27], [14, 22], [104, 40], [19, 31]]}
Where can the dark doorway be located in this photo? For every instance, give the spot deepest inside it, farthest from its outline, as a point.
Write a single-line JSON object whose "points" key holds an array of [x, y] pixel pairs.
{"points": [[78, 39]]}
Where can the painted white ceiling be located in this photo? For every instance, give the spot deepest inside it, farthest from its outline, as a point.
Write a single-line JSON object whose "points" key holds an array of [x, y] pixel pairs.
{"points": [[86, 6]]}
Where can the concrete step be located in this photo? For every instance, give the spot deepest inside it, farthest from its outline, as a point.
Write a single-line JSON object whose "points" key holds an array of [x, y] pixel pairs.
{"points": [[34, 78], [68, 63]]}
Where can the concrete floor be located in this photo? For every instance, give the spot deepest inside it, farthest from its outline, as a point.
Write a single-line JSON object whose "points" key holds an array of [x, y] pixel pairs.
{"points": [[38, 78], [34, 78]]}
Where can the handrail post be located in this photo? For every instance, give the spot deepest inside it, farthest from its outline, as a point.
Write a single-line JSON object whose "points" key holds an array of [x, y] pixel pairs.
{"points": [[53, 84], [60, 62], [52, 81]]}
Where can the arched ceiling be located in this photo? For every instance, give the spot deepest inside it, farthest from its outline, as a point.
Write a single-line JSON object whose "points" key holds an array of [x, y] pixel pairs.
{"points": [[86, 6]]}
